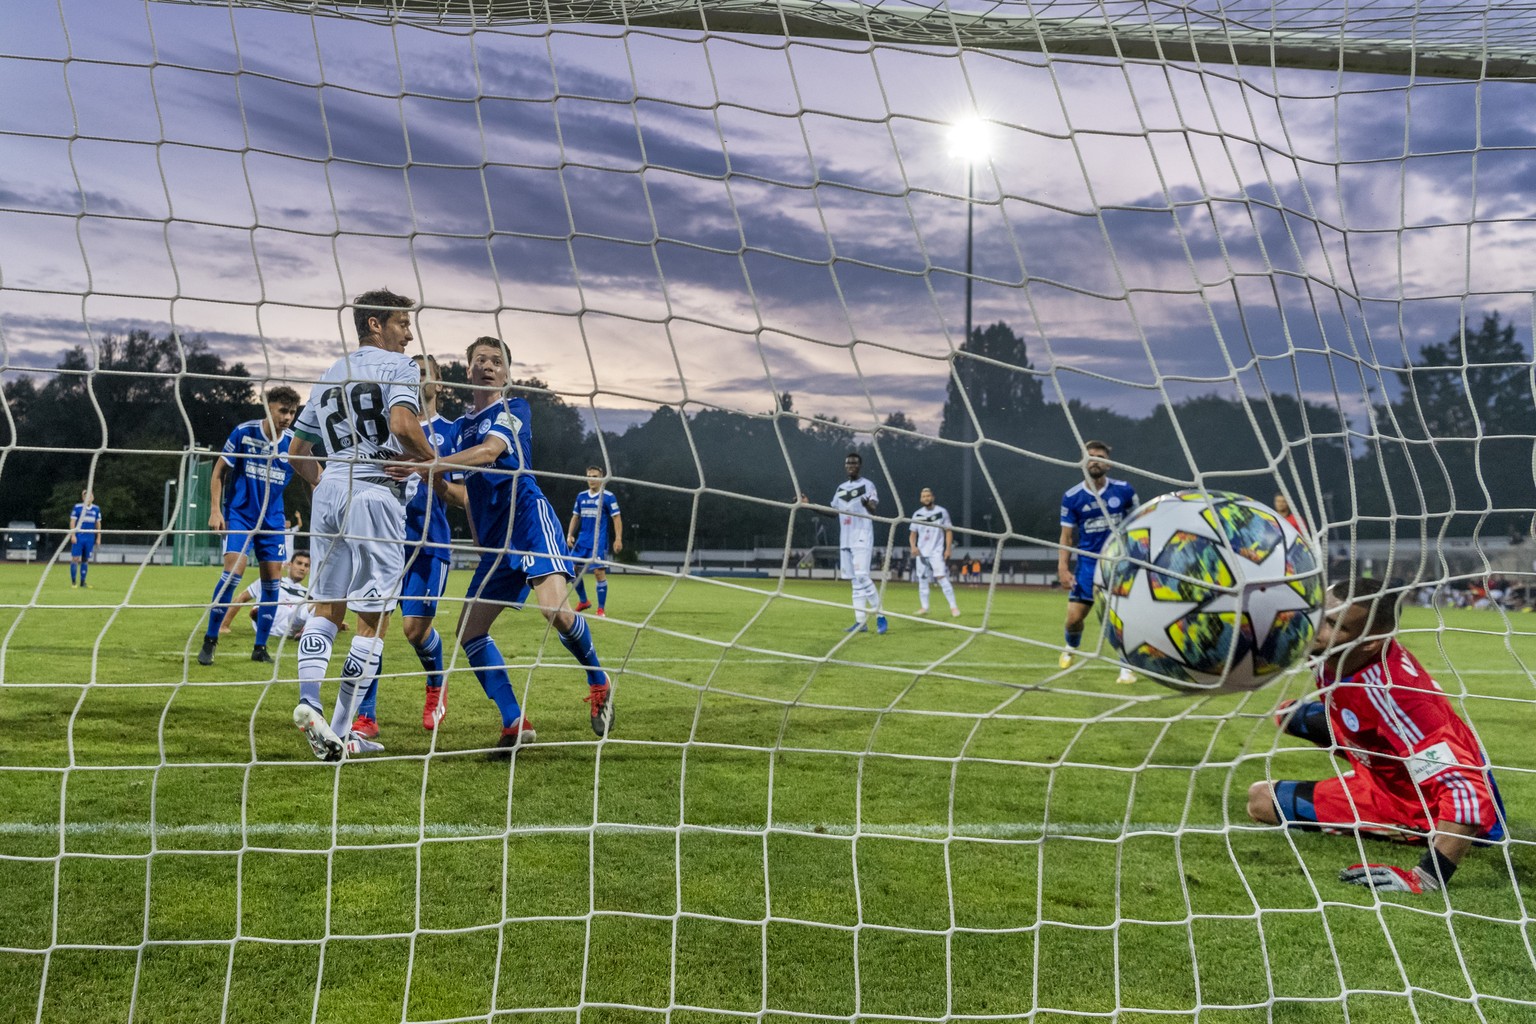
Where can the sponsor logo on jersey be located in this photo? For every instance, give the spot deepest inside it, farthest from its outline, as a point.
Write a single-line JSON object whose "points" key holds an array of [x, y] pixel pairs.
{"points": [[1431, 761]]}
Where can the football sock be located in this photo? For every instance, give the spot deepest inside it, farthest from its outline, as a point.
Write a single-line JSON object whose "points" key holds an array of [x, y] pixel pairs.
{"points": [[581, 590], [485, 659], [922, 593], [949, 591], [84, 568], [858, 605], [430, 652], [222, 592], [1073, 639], [266, 611], [74, 570], [357, 673], [864, 592], [602, 594], [578, 640], [370, 704], [314, 658]]}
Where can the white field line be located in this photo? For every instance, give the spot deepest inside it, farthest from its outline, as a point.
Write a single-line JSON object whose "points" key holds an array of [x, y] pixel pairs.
{"points": [[308, 830]]}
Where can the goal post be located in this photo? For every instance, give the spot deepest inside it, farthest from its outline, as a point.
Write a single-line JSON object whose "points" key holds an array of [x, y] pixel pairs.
{"points": [[749, 259]]}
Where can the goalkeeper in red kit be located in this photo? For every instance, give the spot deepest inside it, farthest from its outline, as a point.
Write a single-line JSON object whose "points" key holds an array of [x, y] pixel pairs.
{"points": [[1417, 773]]}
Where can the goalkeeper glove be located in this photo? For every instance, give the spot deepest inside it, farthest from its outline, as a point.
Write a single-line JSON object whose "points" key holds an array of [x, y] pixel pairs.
{"points": [[1389, 878]]}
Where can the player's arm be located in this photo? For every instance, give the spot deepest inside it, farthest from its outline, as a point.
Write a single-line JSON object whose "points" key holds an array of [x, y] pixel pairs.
{"points": [[570, 529], [949, 542], [830, 513], [482, 454], [912, 538], [301, 454], [216, 495], [1064, 556], [450, 491], [405, 425], [618, 533], [96, 528], [241, 598], [1306, 720]]}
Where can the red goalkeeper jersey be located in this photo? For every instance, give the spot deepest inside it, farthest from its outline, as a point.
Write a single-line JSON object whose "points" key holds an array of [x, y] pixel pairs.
{"points": [[1393, 722]]}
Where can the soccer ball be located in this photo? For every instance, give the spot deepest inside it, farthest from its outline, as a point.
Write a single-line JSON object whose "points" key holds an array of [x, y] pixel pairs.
{"points": [[1210, 592]]}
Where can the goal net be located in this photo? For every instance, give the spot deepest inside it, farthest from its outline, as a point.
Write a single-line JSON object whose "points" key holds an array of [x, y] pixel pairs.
{"points": [[1275, 249]]}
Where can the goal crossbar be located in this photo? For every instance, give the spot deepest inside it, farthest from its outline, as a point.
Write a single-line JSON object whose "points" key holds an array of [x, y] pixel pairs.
{"points": [[1393, 40]]}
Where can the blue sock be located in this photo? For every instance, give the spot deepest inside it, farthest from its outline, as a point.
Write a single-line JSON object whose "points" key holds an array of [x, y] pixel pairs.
{"points": [[1074, 639], [431, 654], [579, 642], [602, 593], [370, 704], [222, 592], [266, 611], [74, 570], [84, 565], [581, 590], [485, 659]]}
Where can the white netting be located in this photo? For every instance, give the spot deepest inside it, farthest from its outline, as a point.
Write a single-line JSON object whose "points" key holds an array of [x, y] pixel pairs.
{"points": [[1255, 247]]}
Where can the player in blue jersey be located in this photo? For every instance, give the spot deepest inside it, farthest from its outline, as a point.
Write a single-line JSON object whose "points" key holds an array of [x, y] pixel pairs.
{"points": [[428, 552], [255, 465], [1089, 514], [519, 534], [587, 535], [84, 532]]}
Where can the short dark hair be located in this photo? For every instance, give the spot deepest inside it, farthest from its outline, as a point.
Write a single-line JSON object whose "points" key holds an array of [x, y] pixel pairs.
{"points": [[1089, 446], [380, 303], [853, 455], [301, 553], [1380, 604], [488, 341], [599, 469], [429, 360], [282, 395]]}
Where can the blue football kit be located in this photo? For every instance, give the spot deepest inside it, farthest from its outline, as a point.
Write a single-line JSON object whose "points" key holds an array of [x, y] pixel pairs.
{"points": [[259, 471], [428, 538], [595, 513], [87, 520], [1095, 515]]}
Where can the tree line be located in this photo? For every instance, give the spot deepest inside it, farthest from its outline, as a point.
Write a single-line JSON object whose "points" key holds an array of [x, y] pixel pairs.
{"points": [[1452, 451]]}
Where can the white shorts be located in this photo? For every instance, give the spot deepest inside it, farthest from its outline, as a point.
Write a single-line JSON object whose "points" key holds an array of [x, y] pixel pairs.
{"points": [[357, 544], [856, 562], [930, 567]]}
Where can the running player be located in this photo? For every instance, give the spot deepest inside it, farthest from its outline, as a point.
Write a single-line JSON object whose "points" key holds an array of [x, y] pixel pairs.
{"points": [[932, 538], [518, 533], [365, 411], [255, 460], [1417, 772], [427, 540], [587, 536], [84, 532], [1089, 514]]}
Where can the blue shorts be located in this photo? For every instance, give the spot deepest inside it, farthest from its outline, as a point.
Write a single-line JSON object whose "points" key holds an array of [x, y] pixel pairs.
{"points": [[1082, 583], [534, 553], [83, 548], [424, 582], [585, 555], [270, 545]]}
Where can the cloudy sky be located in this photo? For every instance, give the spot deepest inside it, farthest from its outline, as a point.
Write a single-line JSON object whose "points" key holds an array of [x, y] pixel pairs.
{"points": [[650, 220]]}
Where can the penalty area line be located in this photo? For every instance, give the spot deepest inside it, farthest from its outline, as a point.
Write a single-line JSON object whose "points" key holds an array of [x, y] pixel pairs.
{"points": [[448, 830]]}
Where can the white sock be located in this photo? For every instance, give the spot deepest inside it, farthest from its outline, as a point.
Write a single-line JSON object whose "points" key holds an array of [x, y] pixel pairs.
{"points": [[314, 657], [922, 593], [858, 604], [356, 676], [949, 592]]}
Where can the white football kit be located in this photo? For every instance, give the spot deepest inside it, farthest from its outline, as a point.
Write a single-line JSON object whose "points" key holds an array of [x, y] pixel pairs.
{"points": [[929, 526], [357, 526], [857, 541], [293, 607]]}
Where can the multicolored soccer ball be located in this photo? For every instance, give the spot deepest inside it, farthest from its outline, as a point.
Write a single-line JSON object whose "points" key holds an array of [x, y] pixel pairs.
{"points": [[1210, 592]]}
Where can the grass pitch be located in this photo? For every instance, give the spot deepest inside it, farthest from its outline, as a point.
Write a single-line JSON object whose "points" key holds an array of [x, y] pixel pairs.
{"points": [[787, 823]]}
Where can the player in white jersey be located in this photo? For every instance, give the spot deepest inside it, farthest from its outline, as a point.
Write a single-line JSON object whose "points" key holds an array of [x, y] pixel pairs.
{"points": [[854, 504], [365, 412], [933, 537], [293, 607]]}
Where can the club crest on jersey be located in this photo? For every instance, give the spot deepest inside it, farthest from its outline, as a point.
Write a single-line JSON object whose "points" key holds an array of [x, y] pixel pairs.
{"points": [[1350, 721], [1114, 502], [485, 426]]}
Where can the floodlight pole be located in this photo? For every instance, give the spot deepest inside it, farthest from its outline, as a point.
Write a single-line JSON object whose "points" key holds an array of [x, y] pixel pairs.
{"points": [[967, 467]]}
